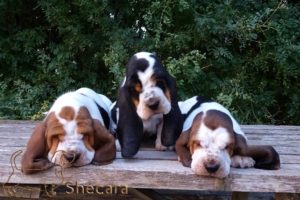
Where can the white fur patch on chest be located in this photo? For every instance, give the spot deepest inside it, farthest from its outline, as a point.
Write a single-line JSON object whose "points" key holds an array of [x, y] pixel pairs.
{"points": [[151, 124]]}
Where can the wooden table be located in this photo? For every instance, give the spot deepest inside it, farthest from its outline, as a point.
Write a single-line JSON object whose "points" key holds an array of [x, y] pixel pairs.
{"points": [[155, 170]]}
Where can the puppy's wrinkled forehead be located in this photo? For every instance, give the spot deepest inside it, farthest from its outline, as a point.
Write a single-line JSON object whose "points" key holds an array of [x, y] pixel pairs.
{"points": [[215, 131], [144, 66], [214, 119], [67, 113], [140, 62]]}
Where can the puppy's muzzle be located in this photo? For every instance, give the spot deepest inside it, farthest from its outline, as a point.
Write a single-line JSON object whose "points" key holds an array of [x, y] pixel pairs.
{"points": [[154, 106], [211, 166], [71, 157], [151, 100]]}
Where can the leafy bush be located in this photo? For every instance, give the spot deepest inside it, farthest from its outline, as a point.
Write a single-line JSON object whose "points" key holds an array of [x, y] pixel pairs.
{"points": [[244, 54]]}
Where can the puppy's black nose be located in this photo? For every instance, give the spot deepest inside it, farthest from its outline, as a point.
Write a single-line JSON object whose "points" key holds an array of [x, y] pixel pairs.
{"points": [[211, 168], [72, 157], [154, 106]]}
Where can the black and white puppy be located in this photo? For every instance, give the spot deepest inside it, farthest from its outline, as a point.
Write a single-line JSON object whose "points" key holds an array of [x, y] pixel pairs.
{"points": [[146, 103]]}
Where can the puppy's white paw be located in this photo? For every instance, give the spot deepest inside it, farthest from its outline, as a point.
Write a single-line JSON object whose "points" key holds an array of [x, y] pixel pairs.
{"points": [[242, 161], [171, 148], [159, 146], [118, 146]]}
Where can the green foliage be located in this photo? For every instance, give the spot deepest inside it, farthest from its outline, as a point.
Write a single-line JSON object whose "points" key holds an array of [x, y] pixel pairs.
{"points": [[244, 54]]}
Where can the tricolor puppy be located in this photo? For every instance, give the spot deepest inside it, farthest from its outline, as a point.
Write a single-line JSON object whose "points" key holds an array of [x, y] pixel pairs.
{"points": [[212, 141], [74, 133], [146, 103]]}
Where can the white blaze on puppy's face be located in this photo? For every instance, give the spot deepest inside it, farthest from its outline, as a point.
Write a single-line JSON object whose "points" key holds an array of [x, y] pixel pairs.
{"points": [[210, 151], [70, 139], [152, 99]]}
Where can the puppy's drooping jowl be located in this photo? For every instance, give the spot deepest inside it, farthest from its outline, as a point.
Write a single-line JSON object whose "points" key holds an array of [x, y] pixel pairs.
{"points": [[146, 103], [212, 141], [74, 133]]}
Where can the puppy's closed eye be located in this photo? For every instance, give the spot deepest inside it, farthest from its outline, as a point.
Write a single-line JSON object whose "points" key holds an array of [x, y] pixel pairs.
{"points": [[197, 144]]}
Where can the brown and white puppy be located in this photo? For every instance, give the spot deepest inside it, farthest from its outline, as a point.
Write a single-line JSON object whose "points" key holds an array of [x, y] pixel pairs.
{"points": [[146, 104], [212, 141], [74, 133]]}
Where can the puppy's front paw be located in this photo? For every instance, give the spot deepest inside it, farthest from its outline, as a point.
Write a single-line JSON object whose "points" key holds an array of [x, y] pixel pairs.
{"points": [[118, 145], [159, 146], [242, 161], [171, 148]]}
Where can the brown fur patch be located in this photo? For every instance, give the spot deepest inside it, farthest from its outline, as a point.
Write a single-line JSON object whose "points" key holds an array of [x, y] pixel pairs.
{"points": [[54, 144], [54, 129], [35, 157], [67, 113], [138, 87], [182, 149], [135, 102], [193, 142], [240, 147], [265, 157], [88, 142], [215, 119], [186, 143], [105, 148], [85, 126]]}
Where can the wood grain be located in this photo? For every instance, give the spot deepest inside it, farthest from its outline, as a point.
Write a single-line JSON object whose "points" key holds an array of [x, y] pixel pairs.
{"points": [[161, 170]]}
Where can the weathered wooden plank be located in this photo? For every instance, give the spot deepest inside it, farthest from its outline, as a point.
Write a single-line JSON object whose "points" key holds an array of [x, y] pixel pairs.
{"points": [[151, 155], [16, 124], [282, 150], [246, 127], [24, 129], [291, 143], [253, 137], [153, 169], [266, 127], [272, 137], [164, 175]]}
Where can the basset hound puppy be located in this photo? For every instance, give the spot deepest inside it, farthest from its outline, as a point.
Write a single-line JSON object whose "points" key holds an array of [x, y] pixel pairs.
{"points": [[75, 132], [211, 141], [146, 104]]}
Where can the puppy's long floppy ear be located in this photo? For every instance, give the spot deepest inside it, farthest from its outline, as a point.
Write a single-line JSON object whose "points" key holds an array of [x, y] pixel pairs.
{"points": [[181, 147], [184, 145], [104, 144], [35, 156], [130, 126], [266, 157], [173, 121]]}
